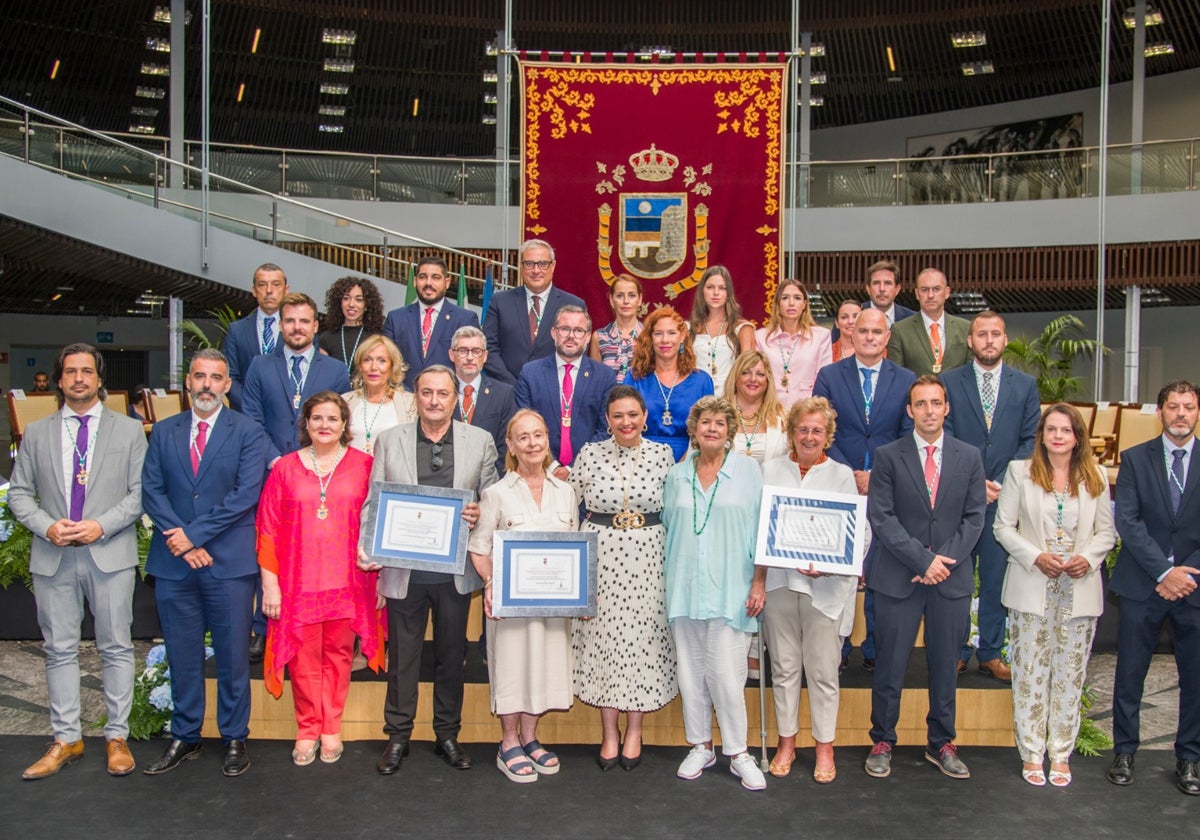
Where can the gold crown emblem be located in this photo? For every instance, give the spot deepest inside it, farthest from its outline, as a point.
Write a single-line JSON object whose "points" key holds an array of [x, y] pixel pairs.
{"points": [[653, 165]]}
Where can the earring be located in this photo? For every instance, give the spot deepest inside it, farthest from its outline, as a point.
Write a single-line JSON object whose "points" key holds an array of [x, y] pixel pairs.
{"points": [[645, 427], [608, 429], [728, 444]]}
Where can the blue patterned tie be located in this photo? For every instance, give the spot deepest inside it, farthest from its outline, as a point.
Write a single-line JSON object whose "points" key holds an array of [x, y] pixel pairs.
{"points": [[1176, 481], [268, 336], [868, 391]]}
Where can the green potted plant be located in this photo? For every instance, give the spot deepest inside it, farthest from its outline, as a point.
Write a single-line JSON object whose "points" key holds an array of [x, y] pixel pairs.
{"points": [[1051, 356]]}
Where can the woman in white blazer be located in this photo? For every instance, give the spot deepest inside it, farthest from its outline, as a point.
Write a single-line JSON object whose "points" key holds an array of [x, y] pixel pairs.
{"points": [[379, 400], [1055, 520]]}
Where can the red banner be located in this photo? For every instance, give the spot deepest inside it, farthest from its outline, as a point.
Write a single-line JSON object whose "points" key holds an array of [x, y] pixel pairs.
{"points": [[655, 171]]}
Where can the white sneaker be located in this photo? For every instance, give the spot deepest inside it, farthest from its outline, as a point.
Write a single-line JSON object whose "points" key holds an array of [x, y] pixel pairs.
{"points": [[697, 761], [746, 769]]}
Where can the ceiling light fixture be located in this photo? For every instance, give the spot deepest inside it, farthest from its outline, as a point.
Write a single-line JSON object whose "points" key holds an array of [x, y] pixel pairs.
{"points": [[416, 105], [332, 110], [819, 78], [327, 128], [816, 101], [1154, 17], [891, 56], [978, 68], [489, 119], [241, 91], [490, 77], [814, 50], [1164, 48], [142, 111], [334, 90], [339, 36], [162, 45], [141, 129], [155, 69], [254, 43], [961, 40], [149, 92], [490, 99], [337, 65]]}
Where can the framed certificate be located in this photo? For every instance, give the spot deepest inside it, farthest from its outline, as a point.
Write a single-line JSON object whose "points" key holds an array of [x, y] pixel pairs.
{"points": [[797, 527], [543, 573], [417, 527]]}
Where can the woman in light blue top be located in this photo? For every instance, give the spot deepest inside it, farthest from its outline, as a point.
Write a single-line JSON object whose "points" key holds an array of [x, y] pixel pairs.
{"points": [[714, 592]]}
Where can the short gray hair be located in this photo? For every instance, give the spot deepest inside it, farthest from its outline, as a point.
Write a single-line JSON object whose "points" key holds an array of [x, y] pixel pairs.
{"points": [[466, 332], [536, 243], [438, 369], [208, 354]]}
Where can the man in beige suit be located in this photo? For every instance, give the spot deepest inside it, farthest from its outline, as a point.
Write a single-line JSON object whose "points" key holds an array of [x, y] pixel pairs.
{"points": [[435, 451], [933, 341], [77, 486]]}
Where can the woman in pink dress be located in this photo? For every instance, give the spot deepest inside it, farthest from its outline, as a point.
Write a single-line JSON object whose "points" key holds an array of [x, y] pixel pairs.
{"points": [[793, 343], [314, 597]]}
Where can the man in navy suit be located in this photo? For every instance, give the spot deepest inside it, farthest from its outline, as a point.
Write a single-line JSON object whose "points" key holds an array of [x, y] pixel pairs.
{"points": [[926, 507], [279, 382], [482, 401], [863, 428], [423, 329], [568, 389], [201, 481], [996, 410], [883, 284], [258, 332], [1158, 518], [518, 321]]}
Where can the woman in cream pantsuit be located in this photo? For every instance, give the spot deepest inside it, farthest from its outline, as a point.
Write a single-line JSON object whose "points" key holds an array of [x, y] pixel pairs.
{"points": [[1055, 520]]}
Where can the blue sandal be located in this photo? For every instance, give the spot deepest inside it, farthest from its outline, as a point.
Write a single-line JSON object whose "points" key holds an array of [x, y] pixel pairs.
{"points": [[542, 764], [504, 756]]}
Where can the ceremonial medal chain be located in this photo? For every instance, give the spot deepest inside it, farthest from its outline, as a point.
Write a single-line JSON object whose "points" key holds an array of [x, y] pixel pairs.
{"points": [[627, 518], [81, 477], [566, 405], [708, 511], [350, 359], [787, 363], [370, 424], [323, 479], [749, 433], [667, 419], [712, 345]]}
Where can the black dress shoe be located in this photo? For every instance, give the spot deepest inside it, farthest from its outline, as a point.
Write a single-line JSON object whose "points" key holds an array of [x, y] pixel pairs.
{"points": [[1121, 772], [628, 763], [1187, 779], [236, 761], [393, 754], [607, 764], [258, 648], [175, 754], [455, 756], [869, 664]]}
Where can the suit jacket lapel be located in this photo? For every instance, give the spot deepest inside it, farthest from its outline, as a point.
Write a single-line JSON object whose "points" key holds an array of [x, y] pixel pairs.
{"points": [[407, 454], [1158, 469], [911, 458], [887, 381], [285, 382], [460, 450], [850, 372], [976, 404], [103, 422], [183, 444], [218, 434]]}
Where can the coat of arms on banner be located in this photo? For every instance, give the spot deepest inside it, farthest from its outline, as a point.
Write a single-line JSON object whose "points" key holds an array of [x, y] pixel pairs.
{"points": [[655, 237]]}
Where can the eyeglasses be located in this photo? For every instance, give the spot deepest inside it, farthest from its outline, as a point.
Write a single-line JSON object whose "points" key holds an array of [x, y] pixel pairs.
{"points": [[530, 265], [435, 458], [470, 351], [578, 332]]}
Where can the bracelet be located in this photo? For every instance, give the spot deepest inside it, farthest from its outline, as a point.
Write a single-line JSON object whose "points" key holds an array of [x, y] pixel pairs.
{"points": [[487, 582]]}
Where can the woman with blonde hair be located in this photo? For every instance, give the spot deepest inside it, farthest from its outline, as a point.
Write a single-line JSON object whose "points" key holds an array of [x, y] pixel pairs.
{"points": [[719, 332], [379, 399], [796, 347], [750, 389]]}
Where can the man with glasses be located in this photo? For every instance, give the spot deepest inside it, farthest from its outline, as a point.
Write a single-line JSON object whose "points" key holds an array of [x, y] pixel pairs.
{"points": [[482, 401], [422, 330], [517, 322], [435, 451], [569, 389]]}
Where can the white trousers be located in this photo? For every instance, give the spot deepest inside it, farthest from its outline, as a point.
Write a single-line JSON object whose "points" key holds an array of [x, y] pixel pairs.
{"points": [[712, 675], [802, 640]]}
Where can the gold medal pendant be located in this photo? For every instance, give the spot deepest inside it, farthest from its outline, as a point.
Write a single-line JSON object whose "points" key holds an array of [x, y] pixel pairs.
{"points": [[296, 401], [784, 382], [667, 419], [81, 478], [566, 421], [937, 368], [322, 512], [714, 368]]}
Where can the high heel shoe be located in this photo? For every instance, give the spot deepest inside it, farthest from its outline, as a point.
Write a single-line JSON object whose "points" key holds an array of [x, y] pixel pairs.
{"points": [[630, 762], [607, 764]]}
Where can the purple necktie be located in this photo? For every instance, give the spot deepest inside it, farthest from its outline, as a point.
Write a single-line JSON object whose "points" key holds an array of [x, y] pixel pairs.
{"points": [[78, 489]]}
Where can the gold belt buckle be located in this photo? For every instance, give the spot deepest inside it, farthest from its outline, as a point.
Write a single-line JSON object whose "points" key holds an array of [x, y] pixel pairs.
{"points": [[627, 519]]}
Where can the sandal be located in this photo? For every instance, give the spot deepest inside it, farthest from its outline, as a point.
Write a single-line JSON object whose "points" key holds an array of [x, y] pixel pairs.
{"points": [[303, 758], [542, 763], [504, 756], [824, 775], [1060, 778], [1035, 777], [778, 768], [330, 756]]}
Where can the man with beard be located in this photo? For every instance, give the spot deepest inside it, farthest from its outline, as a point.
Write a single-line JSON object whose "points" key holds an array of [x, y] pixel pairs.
{"points": [[423, 329], [996, 410], [77, 486], [201, 481]]}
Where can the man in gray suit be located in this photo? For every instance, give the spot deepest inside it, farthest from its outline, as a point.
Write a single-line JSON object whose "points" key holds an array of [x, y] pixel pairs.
{"points": [[77, 486], [436, 451]]}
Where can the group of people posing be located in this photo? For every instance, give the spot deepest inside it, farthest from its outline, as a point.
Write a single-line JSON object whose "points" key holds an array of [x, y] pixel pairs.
{"points": [[658, 433]]}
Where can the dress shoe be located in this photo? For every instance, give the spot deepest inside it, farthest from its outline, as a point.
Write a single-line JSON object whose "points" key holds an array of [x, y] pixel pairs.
{"points": [[455, 755], [879, 761], [1121, 772], [120, 759], [628, 763], [948, 762], [997, 669], [1187, 779], [607, 764], [393, 754], [258, 648], [962, 666], [869, 664], [175, 754], [236, 760], [842, 665], [59, 754]]}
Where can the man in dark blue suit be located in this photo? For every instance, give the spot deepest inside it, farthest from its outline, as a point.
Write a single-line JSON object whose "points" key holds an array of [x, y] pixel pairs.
{"points": [[258, 332], [883, 284], [926, 507], [201, 481], [863, 428], [423, 329], [568, 389], [996, 409], [1158, 518], [279, 382], [518, 321], [482, 401]]}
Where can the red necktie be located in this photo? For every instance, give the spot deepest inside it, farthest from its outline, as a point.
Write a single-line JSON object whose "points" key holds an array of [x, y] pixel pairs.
{"points": [[535, 316], [468, 406], [931, 474], [198, 446], [565, 453], [426, 330]]}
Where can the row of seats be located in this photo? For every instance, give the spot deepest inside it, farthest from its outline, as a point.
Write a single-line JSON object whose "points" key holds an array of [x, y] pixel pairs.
{"points": [[35, 406], [1114, 427]]}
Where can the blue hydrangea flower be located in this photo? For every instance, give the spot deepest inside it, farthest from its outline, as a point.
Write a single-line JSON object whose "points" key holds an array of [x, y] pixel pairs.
{"points": [[156, 656], [209, 653], [160, 698], [6, 529]]}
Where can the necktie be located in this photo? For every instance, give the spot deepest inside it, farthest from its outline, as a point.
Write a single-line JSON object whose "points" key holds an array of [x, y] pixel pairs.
{"points": [[268, 336], [298, 379], [1177, 478], [426, 330], [79, 474], [198, 446], [468, 406], [868, 391], [931, 474], [988, 392], [535, 317], [565, 453], [935, 344]]}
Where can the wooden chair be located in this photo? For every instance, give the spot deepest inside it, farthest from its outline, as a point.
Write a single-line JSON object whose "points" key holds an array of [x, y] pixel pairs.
{"points": [[21, 413], [168, 405], [1138, 423], [1104, 432], [118, 401]]}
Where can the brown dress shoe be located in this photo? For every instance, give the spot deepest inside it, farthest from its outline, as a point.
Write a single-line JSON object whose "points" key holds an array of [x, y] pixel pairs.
{"points": [[120, 759], [996, 668], [60, 753]]}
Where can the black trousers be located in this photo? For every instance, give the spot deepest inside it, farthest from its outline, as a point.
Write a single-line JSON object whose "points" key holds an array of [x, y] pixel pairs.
{"points": [[407, 618]]}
